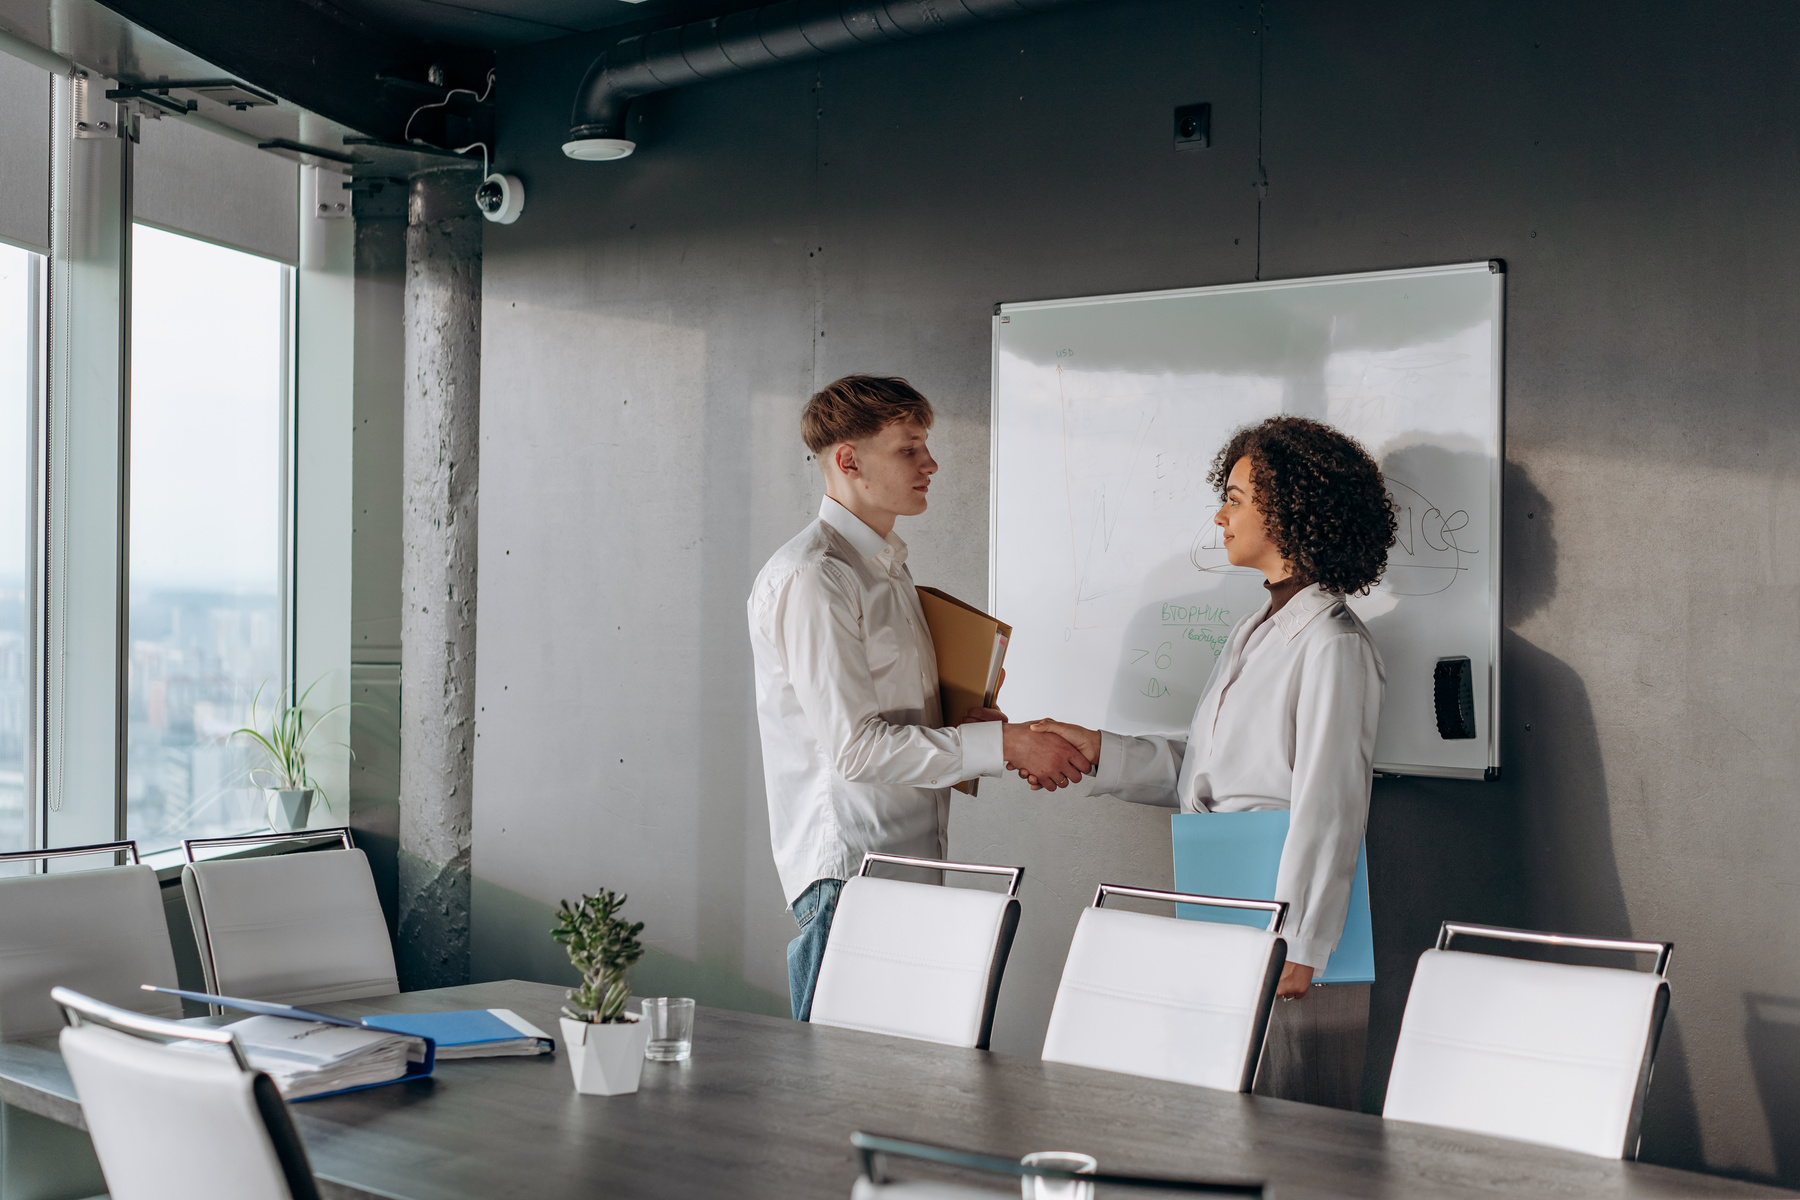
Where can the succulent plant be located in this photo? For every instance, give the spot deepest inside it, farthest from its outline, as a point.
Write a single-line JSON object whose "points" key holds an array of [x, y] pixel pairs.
{"points": [[603, 946]]}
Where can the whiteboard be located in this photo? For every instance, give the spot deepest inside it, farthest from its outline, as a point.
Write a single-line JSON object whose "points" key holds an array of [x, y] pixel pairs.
{"points": [[1107, 412]]}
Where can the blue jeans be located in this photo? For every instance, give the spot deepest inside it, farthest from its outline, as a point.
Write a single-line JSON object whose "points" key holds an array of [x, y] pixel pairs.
{"points": [[813, 912]]}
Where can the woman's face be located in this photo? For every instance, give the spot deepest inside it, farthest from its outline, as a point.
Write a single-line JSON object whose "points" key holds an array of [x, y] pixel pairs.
{"points": [[1247, 541]]}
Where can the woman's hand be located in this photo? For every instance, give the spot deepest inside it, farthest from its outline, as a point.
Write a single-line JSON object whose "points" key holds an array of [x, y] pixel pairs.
{"points": [[1087, 741], [1296, 978]]}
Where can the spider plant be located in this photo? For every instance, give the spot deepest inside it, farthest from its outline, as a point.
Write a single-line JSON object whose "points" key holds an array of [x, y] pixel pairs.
{"points": [[283, 739]]}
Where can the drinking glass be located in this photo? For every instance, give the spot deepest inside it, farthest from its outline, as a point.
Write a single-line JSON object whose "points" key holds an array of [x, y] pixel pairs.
{"points": [[1036, 1187], [671, 1028]]}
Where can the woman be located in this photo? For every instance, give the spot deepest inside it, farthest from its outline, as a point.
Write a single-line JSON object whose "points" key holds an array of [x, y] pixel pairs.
{"points": [[1287, 720]]}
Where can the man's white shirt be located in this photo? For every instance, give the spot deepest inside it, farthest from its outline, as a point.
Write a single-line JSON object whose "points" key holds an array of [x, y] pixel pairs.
{"points": [[1287, 721], [855, 755]]}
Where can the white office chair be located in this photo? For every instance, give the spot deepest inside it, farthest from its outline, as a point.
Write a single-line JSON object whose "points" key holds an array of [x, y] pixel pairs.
{"points": [[176, 1124], [297, 928], [917, 960], [101, 931], [1186, 1001], [1539, 1052]]}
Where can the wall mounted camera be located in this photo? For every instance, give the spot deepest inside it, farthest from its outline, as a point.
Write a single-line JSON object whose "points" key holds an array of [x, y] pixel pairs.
{"points": [[501, 198]]}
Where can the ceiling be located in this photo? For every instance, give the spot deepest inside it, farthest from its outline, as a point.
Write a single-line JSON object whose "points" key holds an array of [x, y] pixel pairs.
{"points": [[340, 67], [497, 24]]}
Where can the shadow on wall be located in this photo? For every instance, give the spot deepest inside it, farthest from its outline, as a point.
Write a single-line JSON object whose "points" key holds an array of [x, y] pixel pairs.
{"points": [[1772, 1032], [510, 939], [1554, 774]]}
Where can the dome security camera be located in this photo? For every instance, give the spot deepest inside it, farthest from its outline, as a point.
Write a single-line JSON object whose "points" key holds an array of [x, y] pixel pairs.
{"points": [[501, 198]]}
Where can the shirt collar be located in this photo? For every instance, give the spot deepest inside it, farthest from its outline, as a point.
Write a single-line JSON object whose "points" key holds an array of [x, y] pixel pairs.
{"points": [[1297, 613], [889, 551]]}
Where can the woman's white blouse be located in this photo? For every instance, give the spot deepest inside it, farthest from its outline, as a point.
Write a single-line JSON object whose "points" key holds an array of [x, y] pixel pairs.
{"points": [[1287, 721]]}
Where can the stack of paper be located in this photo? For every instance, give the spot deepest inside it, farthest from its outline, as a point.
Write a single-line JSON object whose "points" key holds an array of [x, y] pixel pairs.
{"points": [[311, 1058], [971, 648]]}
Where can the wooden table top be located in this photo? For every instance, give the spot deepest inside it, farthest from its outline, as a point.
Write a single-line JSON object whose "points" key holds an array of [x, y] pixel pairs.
{"points": [[765, 1108]]}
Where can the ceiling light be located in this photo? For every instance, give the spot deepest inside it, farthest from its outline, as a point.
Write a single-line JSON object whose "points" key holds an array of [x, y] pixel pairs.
{"points": [[598, 149]]}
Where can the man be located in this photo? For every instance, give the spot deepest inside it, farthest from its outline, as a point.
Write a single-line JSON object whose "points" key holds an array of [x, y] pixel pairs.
{"points": [[856, 755]]}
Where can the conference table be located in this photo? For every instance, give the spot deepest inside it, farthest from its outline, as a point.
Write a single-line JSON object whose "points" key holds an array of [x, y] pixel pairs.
{"points": [[765, 1108]]}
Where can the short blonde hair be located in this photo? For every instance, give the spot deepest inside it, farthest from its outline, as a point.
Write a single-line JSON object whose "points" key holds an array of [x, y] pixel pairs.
{"points": [[860, 406]]}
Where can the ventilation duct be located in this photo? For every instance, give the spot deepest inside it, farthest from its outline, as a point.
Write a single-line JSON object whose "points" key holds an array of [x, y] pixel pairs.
{"points": [[786, 32]]}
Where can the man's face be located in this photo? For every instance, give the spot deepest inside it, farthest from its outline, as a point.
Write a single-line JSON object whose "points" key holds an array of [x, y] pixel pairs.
{"points": [[892, 469]]}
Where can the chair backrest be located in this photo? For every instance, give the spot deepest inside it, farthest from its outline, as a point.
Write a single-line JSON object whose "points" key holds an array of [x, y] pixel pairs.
{"points": [[174, 1123], [298, 928], [915, 959], [1540, 1052], [101, 932], [1148, 995]]}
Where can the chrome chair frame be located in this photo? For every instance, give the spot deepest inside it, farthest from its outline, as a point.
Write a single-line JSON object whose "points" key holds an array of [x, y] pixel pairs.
{"points": [[341, 832], [933, 864], [1277, 909], [873, 1148], [79, 1009], [1663, 950], [113, 848]]}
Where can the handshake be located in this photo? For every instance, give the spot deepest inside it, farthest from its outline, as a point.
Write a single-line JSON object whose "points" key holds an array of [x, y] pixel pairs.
{"points": [[1047, 754]]}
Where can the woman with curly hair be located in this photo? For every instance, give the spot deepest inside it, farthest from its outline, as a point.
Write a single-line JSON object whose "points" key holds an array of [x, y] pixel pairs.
{"points": [[1287, 720]]}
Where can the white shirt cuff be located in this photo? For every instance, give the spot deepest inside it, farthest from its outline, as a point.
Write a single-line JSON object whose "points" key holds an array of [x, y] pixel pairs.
{"points": [[1309, 954], [982, 748], [1110, 774]]}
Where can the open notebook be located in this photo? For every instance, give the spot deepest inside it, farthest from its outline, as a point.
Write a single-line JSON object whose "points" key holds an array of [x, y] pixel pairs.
{"points": [[311, 1054]]}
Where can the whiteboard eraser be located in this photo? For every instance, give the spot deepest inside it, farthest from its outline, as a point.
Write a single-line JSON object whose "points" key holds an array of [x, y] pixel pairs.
{"points": [[1454, 689]]}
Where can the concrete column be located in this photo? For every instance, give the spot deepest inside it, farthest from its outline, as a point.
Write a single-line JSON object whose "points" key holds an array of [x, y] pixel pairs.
{"points": [[442, 426]]}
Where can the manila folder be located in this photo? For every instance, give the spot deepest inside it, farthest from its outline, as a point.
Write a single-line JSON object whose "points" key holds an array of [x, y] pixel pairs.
{"points": [[971, 646]]}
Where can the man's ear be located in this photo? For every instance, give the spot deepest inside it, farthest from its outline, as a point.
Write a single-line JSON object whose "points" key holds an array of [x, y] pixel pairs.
{"points": [[843, 457]]}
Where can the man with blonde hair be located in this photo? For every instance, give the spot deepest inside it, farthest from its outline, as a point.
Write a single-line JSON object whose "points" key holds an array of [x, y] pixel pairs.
{"points": [[856, 754]]}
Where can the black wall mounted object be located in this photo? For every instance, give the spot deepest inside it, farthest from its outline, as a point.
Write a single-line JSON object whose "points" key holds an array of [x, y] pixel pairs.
{"points": [[1454, 691]]}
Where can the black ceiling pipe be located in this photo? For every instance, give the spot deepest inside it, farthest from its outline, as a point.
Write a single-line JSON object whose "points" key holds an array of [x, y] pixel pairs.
{"points": [[785, 32]]}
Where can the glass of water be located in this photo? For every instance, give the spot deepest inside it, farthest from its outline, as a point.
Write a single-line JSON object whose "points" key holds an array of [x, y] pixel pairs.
{"points": [[671, 1028], [1036, 1187]]}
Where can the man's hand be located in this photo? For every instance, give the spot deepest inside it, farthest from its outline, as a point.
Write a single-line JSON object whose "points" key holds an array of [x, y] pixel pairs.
{"points": [[987, 714], [1044, 757], [1086, 742], [1296, 978]]}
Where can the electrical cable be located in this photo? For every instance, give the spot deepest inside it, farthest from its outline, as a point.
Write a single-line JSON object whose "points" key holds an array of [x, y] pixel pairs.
{"points": [[406, 134], [484, 155]]}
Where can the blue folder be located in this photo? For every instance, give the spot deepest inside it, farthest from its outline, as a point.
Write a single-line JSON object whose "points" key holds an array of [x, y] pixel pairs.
{"points": [[1239, 855]]}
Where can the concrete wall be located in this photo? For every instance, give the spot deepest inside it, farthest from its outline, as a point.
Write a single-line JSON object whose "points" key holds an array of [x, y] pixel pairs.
{"points": [[651, 328], [376, 508]]}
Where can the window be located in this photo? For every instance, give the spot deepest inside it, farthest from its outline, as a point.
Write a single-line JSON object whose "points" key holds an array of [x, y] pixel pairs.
{"points": [[20, 273], [209, 340]]}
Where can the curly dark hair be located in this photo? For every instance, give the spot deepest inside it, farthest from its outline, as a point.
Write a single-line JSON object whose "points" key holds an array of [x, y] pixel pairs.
{"points": [[1322, 497]]}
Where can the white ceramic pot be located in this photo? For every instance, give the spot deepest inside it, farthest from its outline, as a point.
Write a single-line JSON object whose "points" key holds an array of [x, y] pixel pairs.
{"points": [[606, 1060], [288, 810]]}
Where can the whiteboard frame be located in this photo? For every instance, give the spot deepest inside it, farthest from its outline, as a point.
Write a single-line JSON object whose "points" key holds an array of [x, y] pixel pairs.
{"points": [[1495, 267]]}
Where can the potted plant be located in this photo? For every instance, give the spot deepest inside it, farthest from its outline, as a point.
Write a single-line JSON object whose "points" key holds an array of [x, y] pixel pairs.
{"points": [[288, 789], [605, 1043]]}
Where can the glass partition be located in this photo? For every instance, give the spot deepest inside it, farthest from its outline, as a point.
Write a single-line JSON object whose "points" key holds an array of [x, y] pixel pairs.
{"points": [[20, 273], [209, 359]]}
